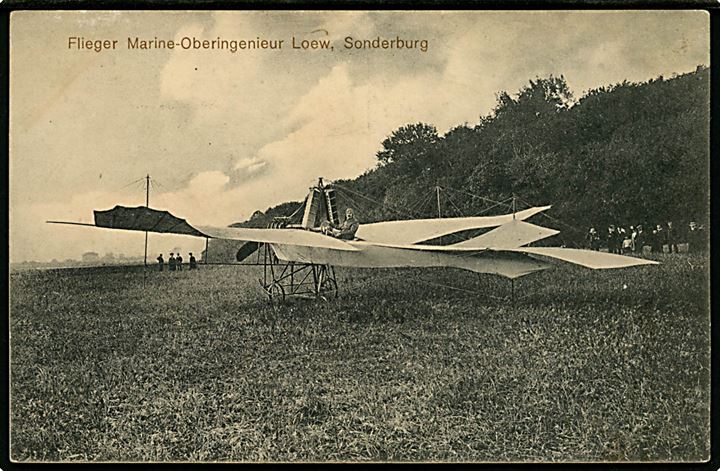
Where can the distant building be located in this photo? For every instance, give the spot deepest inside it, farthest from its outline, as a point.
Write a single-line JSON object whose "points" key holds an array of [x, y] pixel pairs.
{"points": [[90, 257]]}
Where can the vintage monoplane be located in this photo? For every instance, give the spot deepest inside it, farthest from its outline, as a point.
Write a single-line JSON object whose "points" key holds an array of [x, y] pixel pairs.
{"points": [[299, 259]]}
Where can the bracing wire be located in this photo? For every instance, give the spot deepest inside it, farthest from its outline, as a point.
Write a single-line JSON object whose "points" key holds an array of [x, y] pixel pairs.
{"points": [[363, 207], [421, 203], [417, 204], [158, 183], [489, 200], [385, 205], [458, 211], [504, 203], [473, 195], [297, 210], [135, 182]]}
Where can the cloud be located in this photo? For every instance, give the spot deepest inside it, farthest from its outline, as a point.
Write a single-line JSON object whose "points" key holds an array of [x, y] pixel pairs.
{"points": [[250, 165]]}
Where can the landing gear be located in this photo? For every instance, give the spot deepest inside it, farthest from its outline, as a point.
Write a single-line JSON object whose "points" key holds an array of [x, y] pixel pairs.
{"points": [[308, 280], [275, 292]]}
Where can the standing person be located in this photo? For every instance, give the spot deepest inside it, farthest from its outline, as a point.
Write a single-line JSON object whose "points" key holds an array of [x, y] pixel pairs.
{"points": [[161, 263], [171, 262], [193, 262], [611, 238], [695, 238], [659, 239], [178, 261], [670, 238], [619, 238], [633, 237], [626, 241], [639, 239], [593, 239]]}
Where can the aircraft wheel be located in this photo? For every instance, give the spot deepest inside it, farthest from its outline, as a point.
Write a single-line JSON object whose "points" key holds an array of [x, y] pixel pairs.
{"points": [[329, 285], [276, 292]]}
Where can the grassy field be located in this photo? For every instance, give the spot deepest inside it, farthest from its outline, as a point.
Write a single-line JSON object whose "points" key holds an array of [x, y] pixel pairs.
{"points": [[584, 366]]}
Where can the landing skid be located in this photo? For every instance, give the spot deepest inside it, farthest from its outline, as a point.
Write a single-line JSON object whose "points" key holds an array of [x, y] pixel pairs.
{"points": [[292, 279]]}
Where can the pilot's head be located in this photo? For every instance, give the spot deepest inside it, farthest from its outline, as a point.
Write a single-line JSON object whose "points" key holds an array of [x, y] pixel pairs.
{"points": [[349, 213]]}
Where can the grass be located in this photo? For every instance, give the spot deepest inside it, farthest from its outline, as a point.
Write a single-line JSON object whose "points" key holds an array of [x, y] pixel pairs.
{"points": [[198, 366]]}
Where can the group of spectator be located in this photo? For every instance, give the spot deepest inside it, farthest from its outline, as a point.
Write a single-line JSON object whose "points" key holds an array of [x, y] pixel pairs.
{"points": [[636, 239], [176, 262]]}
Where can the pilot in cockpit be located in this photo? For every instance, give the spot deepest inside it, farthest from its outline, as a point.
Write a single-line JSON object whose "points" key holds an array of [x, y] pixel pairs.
{"points": [[346, 230]]}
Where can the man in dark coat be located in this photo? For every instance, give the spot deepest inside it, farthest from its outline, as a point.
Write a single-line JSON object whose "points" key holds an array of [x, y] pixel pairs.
{"points": [[161, 262], [612, 239], [593, 239], [346, 230], [178, 262], [671, 238], [639, 239], [193, 262], [171, 262], [658, 239], [695, 238]]}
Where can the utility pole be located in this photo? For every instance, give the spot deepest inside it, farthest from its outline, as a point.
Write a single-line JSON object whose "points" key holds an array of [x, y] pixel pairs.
{"points": [[147, 205], [437, 194]]}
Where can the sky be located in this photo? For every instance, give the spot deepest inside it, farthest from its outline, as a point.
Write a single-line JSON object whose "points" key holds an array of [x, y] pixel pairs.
{"points": [[223, 134]]}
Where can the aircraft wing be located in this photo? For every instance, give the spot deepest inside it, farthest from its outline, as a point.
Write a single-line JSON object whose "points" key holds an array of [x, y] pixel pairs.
{"points": [[414, 231], [140, 218], [143, 219], [586, 258], [278, 236], [512, 234]]}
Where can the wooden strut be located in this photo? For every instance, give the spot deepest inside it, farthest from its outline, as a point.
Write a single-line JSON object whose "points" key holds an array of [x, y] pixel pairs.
{"points": [[147, 205], [283, 279]]}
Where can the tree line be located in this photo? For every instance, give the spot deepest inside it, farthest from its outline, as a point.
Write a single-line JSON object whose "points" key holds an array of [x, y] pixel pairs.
{"points": [[629, 153]]}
